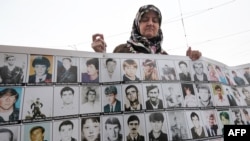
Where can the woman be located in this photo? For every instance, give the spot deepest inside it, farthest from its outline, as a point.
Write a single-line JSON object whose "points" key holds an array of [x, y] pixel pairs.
{"points": [[146, 35], [91, 129]]}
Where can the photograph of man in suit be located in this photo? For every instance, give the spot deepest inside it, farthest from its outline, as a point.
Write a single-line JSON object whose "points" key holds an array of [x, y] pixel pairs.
{"points": [[114, 105], [132, 95], [154, 102], [66, 71], [133, 125]]}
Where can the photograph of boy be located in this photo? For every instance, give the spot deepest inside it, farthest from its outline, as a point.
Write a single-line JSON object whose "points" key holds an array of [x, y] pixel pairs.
{"points": [[130, 70], [211, 124], [37, 131], [111, 98], [135, 129], [183, 70], [149, 70], [199, 71], [172, 95], [132, 97], [196, 125], [38, 104], [111, 70], [67, 69], [178, 127], [189, 95], [167, 70], [204, 95], [66, 100], [66, 130], [90, 70], [91, 129], [219, 97], [153, 98], [10, 103], [157, 126], [90, 99], [13, 68], [113, 129], [10, 133], [237, 116], [41, 69]]}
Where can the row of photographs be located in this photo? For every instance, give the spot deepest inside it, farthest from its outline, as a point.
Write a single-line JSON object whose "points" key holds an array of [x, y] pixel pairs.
{"points": [[42, 102], [207, 125], [32, 68]]}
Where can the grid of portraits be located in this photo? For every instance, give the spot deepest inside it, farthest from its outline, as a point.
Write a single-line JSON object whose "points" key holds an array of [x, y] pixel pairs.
{"points": [[118, 98]]}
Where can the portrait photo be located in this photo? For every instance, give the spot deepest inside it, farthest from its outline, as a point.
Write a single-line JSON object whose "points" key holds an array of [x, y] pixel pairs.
{"points": [[220, 97], [199, 71], [67, 69], [110, 70], [111, 98], [41, 68], [90, 99], [225, 118], [238, 117], [130, 70], [172, 95], [10, 133], [178, 127], [153, 98], [149, 70], [167, 70], [183, 69], [91, 128], [13, 68], [157, 126], [238, 77], [37, 104], [204, 94], [212, 73], [113, 128], [11, 103], [132, 97], [90, 70], [41, 131], [189, 95], [66, 130], [66, 100], [135, 129]]}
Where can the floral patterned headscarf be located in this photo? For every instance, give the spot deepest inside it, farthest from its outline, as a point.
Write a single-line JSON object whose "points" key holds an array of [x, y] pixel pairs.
{"points": [[139, 44]]}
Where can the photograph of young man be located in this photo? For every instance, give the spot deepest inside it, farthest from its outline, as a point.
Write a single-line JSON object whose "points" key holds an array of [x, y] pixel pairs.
{"points": [[114, 105], [132, 96], [134, 124], [112, 129], [130, 68], [153, 94], [66, 71]]}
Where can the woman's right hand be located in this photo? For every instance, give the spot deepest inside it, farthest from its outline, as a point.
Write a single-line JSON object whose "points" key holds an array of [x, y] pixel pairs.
{"points": [[98, 43]]}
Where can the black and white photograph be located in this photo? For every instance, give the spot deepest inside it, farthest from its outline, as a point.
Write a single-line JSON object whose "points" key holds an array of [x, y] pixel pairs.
{"points": [[41, 69], [167, 70], [172, 95], [211, 124], [195, 124], [245, 94], [238, 117], [91, 128], [110, 70], [246, 115], [153, 97], [199, 71], [90, 70], [183, 70], [178, 127], [66, 130], [90, 99], [204, 95], [157, 126], [41, 131], [67, 69], [11, 99], [66, 100], [149, 70], [10, 133], [112, 98], [113, 128], [13, 68], [130, 70], [135, 129], [132, 97], [189, 95], [37, 104]]}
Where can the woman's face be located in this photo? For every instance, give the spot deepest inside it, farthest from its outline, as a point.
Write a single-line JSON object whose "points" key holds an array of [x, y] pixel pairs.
{"points": [[149, 25], [91, 130], [91, 69]]}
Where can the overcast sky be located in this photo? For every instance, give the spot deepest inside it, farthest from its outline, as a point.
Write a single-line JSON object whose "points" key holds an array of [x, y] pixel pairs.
{"points": [[220, 29]]}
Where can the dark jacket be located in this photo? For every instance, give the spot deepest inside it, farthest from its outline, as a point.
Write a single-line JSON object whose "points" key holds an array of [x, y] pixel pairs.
{"points": [[150, 107], [14, 116], [162, 137], [117, 107], [48, 79]]}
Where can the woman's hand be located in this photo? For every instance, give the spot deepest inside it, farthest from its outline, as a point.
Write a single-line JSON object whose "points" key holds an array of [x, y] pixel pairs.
{"points": [[193, 54], [98, 43]]}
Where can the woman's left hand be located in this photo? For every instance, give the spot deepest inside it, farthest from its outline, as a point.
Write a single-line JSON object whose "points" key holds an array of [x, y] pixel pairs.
{"points": [[193, 54]]}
